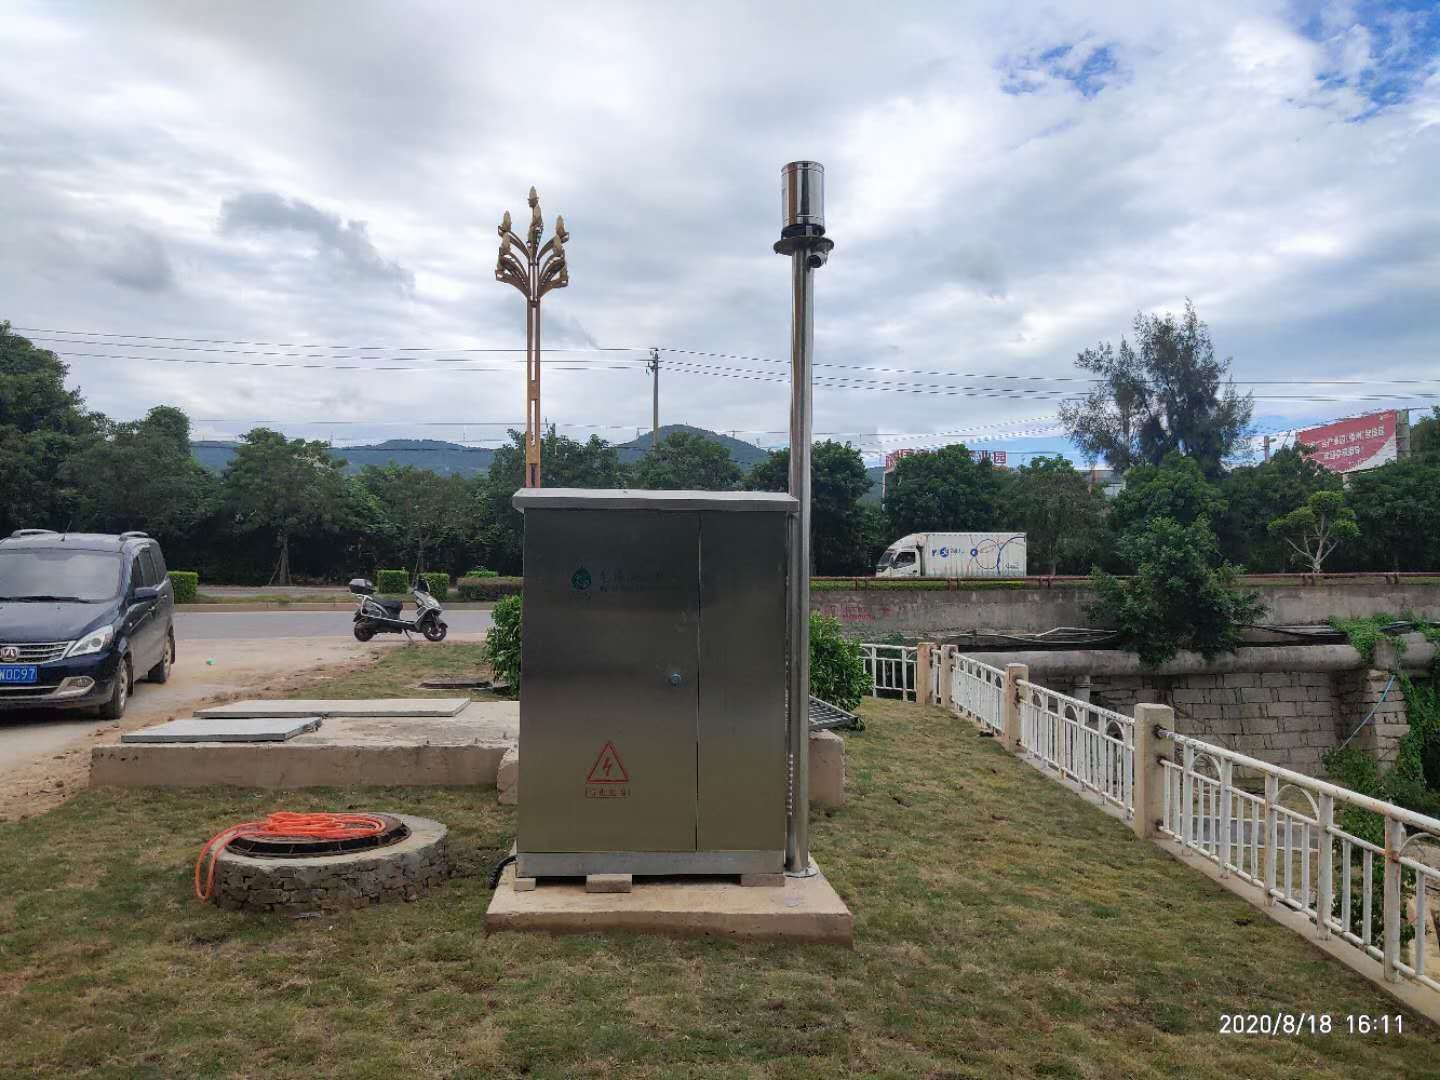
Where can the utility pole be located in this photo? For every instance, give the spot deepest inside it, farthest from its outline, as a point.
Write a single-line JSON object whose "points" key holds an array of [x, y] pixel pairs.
{"points": [[802, 237], [654, 368], [533, 275]]}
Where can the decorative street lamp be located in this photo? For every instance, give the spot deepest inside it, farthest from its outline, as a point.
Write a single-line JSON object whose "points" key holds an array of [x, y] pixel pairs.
{"points": [[534, 270]]}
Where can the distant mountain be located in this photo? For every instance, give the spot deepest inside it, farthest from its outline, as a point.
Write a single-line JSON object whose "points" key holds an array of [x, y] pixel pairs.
{"points": [[446, 458], [450, 458], [743, 454]]}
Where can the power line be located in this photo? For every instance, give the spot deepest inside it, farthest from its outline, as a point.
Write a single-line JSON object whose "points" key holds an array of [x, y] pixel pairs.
{"points": [[675, 350]]}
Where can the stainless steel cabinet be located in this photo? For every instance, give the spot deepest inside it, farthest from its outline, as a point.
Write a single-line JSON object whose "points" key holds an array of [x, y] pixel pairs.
{"points": [[652, 708]]}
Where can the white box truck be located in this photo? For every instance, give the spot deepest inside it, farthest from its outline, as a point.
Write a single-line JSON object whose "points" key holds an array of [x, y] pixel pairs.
{"points": [[955, 555]]}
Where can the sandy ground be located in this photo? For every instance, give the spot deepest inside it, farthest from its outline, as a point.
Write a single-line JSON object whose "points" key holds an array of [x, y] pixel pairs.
{"points": [[43, 758]]}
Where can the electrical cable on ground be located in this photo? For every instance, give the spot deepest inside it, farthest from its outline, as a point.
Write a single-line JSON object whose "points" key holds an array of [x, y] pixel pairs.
{"points": [[282, 823]]}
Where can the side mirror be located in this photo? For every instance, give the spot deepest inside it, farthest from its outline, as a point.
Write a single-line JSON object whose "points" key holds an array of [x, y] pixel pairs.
{"points": [[141, 593]]}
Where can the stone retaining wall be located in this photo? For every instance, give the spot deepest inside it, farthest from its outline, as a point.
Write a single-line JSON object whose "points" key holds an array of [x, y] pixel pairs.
{"points": [[1286, 718], [402, 871]]}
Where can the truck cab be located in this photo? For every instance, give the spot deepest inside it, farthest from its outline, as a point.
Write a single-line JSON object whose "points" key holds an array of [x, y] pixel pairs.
{"points": [[902, 558]]}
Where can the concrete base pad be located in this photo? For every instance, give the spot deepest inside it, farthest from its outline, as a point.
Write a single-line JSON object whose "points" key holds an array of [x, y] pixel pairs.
{"points": [[336, 707], [380, 751], [803, 909]]}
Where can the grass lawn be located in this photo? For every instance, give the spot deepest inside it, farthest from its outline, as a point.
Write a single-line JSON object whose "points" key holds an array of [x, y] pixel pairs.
{"points": [[1004, 928]]}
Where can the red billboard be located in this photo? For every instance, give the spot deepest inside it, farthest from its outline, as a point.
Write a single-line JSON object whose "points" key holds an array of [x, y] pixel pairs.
{"points": [[1362, 442]]}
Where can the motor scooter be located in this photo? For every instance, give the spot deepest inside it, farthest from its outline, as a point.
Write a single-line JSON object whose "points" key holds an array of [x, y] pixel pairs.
{"points": [[375, 615]]}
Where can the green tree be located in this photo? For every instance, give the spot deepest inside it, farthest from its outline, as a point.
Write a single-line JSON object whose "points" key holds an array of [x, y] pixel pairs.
{"points": [[837, 519], [1051, 502], [422, 508], [43, 426], [1397, 508], [1176, 488], [1317, 527], [1425, 436], [945, 489], [1163, 394], [285, 488], [1255, 495], [1182, 595], [141, 475], [684, 461], [566, 463]]}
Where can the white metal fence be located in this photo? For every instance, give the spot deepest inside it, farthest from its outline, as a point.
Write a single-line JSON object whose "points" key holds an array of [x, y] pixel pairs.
{"points": [[891, 669], [978, 689], [1373, 888], [1092, 746], [1363, 871]]}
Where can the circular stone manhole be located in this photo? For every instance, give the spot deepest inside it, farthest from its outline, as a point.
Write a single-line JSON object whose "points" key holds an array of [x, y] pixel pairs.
{"points": [[290, 847], [410, 863]]}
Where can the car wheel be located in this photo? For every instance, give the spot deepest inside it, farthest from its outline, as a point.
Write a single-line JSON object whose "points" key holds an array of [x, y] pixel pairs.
{"points": [[436, 631], [161, 672], [114, 709]]}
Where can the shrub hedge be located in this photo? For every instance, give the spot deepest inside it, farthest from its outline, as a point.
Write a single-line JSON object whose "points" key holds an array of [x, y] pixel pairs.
{"points": [[187, 585], [438, 582], [392, 581], [480, 571], [489, 588]]}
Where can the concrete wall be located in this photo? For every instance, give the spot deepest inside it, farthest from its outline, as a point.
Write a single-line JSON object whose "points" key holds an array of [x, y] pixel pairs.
{"points": [[942, 614]]}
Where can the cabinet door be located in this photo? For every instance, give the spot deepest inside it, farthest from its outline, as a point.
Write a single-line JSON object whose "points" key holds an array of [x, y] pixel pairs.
{"points": [[743, 749], [608, 710]]}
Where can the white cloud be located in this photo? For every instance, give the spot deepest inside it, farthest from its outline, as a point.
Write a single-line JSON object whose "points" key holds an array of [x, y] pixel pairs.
{"points": [[1278, 172]]}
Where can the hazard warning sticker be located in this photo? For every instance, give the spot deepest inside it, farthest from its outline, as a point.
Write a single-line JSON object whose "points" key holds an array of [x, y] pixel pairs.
{"points": [[607, 778]]}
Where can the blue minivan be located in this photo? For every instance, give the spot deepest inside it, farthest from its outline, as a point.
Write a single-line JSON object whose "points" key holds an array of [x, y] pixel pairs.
{"points": [[82, 616]]}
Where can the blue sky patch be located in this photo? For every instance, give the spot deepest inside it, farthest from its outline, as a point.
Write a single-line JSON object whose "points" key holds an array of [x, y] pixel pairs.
{"points": [[1378, 49], [1089, 70]]}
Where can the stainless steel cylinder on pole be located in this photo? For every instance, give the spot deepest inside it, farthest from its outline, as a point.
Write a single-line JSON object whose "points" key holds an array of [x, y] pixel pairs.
{"points": [[802, 237]]}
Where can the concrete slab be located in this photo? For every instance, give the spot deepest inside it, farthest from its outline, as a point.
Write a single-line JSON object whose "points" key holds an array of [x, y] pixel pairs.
{"points": [[381, 751], [335, 707], [804, 909], [265, 729]]}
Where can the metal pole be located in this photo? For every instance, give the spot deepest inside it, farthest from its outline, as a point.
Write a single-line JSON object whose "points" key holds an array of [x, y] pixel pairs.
{"points": [[802, 237], [532, 400], [655, 420], [802, 331]]}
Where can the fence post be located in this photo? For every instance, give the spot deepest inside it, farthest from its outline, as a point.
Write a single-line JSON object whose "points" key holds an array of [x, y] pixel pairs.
{"points": [[1272, 834], [1149, 772], [1010, 721], [1227, 770], [922, 672], [947, 665], [1325, 871], [1394, 841]]}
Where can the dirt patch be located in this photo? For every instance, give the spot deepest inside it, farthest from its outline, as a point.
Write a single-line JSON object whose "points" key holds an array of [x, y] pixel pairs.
{"points": [[242, 669]]}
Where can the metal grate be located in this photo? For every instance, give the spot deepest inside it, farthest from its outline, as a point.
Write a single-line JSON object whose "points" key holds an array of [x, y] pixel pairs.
{"points": [[33, 652], [824, 717]]}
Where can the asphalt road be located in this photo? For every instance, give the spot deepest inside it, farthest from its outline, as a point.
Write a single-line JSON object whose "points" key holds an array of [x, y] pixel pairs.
{"points": [[258, 625]]}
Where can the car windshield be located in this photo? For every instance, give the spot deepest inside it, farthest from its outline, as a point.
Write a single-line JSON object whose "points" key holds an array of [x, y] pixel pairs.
{"points": [[885, 560], [57, 574]]}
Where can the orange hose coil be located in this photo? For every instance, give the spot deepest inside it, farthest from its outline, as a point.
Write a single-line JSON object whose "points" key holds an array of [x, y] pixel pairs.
{"points": [[282, 824]]}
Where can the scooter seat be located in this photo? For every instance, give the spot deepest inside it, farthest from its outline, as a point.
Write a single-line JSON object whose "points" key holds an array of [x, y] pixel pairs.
{"points": [[392, 606]]}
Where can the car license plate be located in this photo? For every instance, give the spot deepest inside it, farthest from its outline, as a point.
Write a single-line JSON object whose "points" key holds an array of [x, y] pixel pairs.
{"points": [[17, 673]]}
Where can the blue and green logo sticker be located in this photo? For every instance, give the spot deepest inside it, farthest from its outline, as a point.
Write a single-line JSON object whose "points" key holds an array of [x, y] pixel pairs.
{"points": [[580, 580]]}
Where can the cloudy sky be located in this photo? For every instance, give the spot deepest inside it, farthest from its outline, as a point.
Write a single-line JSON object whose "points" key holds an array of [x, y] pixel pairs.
{"points": [[1007, 183]]}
